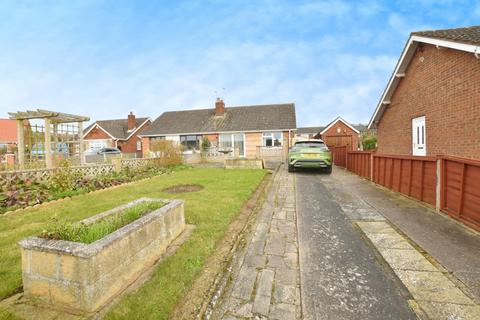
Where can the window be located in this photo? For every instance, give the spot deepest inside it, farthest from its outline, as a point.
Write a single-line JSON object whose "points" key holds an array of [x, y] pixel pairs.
{"points": [[225, 141], [234, 142], [157, 138], [191, 142], [272, 139], [139, 145]]}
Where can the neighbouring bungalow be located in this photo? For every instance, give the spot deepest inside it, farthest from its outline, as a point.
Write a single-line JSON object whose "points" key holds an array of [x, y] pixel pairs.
{"points": [[307, 132], [119, 133], [337, 133], [245, 131], [431, 105]]}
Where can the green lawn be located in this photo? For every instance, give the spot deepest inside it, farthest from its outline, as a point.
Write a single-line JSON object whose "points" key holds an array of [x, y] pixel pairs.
{"points": [[210, 209]]}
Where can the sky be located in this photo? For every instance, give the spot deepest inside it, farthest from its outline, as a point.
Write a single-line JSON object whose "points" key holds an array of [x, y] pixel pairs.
{"points": [[103, 59]]}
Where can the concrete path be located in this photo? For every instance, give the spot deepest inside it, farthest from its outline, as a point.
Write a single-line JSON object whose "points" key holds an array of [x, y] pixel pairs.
{"points": [[454, 246], [340, 276], [265, 277]]}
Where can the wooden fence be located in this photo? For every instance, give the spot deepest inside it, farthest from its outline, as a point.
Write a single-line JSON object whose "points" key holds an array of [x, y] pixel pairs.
{"points": [[460, 189], [451, 184], [360, 162], [413, 176]]}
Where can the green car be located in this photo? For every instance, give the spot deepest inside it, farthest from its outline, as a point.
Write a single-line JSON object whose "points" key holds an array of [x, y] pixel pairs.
{"points": [[310, 154]]}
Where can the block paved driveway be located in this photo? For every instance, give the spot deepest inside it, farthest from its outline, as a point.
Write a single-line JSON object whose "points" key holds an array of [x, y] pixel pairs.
{"points": [[318, 250]]}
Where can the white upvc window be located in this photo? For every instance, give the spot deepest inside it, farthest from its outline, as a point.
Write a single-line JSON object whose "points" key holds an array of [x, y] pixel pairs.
{"points": [[139, 145], [272, 139], [419, 143], [234, 142]]}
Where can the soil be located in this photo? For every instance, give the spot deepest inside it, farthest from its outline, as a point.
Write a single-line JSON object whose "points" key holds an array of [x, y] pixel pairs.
{"points": [[182, 188], [195, 302]]}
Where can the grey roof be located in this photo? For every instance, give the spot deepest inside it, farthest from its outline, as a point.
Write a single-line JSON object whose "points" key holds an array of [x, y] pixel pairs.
{"points": [[360, 127], [309, 130], [117, 128], [468, 35], [244, 118]]}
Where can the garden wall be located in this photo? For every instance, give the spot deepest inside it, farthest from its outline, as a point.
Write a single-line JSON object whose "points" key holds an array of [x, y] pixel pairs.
{"points": [[82, 278]]}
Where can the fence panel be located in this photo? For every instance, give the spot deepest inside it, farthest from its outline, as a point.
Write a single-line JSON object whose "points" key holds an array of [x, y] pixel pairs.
{"points": [[460, 189], [413, 176], [359, 162], [339, 156]]}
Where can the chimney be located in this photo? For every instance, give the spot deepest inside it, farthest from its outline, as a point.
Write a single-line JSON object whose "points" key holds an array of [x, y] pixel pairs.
{"points": [[131, 123], [219, 107]]}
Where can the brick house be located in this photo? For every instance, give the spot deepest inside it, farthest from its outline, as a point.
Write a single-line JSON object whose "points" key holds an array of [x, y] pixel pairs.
{"points": [[431, 105], [246, 131], [118, 133]]}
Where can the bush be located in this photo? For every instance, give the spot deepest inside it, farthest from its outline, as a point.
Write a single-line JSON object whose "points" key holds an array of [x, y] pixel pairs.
{"points": [[369, 141], [205, 144], [63, 178], [166, 152]]}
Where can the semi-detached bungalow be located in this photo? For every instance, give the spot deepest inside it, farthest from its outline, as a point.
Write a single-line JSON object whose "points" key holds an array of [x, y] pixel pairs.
{"points": [[245, 130]]}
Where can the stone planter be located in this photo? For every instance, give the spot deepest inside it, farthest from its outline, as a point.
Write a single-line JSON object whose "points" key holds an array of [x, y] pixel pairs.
{"points": [[82, 278], [243, 164]]}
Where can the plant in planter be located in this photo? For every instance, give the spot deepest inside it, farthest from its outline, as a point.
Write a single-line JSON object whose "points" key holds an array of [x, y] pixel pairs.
{"points": [[81, 267]]}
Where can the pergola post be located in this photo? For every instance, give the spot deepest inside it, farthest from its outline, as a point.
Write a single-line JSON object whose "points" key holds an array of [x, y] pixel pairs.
{"points": [[55, 143], [47, 145], [81, 147], [21, 144]]}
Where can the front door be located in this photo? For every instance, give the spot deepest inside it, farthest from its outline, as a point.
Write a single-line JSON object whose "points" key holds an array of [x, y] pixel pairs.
{"points": [[418, 137], [239, 144]]}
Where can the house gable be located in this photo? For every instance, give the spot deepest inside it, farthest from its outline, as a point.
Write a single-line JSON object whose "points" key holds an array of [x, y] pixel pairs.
{"points": [[443, 85], [462, 39], [96, 132]]}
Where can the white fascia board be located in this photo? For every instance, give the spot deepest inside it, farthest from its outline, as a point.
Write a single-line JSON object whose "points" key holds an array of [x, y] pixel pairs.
{"points": [[213, 132], [335, 121], [136, 129], [447, 44]]}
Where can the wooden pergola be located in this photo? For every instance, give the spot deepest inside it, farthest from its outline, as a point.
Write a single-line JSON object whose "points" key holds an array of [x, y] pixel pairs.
{"points": [[51, 118]]}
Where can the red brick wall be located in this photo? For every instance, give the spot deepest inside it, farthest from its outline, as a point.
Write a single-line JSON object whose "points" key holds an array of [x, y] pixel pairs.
{"points": [[445, 88], [346, 136], [96, 133]]}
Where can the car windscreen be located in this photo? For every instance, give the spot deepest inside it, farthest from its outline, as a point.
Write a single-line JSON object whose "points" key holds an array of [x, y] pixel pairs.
{"points": [[310, 144]]}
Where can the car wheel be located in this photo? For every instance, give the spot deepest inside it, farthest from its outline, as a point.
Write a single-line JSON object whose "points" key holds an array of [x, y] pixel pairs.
{"points": [[328, 170]]}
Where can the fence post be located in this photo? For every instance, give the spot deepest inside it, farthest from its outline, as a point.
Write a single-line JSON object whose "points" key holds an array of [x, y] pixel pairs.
{"points": [[371, 166], [438, 187], [117, 164]]}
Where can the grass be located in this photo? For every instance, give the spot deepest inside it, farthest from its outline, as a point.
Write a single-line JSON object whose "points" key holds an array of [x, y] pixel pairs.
{"points": [[211, 210], [79, 232]]}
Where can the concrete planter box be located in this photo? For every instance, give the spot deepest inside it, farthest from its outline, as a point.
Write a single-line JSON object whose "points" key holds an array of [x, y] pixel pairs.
{"points": [[82, 278]]}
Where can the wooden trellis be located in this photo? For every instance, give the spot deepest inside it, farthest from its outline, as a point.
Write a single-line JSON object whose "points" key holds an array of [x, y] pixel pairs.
{"points": [[57, 125]]}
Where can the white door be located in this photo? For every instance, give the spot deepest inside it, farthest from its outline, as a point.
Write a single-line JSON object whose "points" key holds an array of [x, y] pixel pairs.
{"points": [[419, 144]]}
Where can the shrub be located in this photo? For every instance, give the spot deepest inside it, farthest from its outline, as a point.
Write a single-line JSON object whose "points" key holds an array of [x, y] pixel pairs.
{"points": [[167, 153], [369, 141], [63, 178], [205, 144]]}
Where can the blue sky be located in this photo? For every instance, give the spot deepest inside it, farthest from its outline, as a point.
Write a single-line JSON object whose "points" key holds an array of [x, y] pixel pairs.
{"points": [[106, 58]]}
